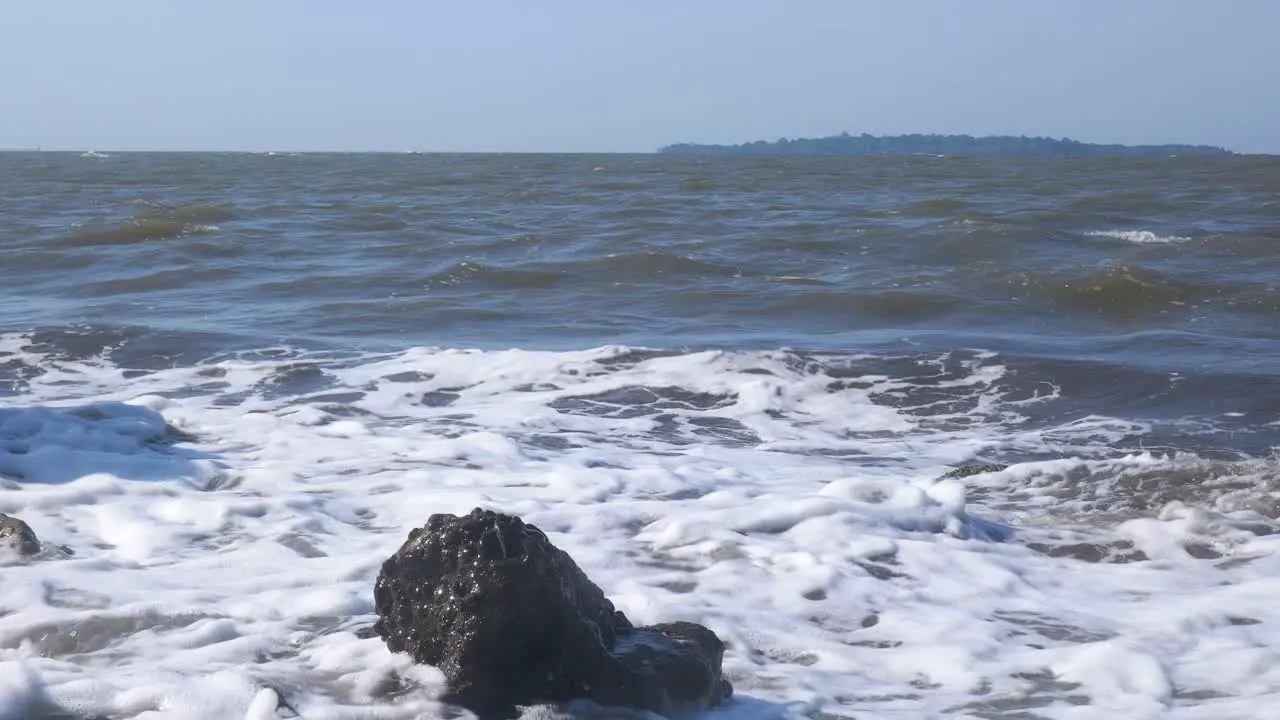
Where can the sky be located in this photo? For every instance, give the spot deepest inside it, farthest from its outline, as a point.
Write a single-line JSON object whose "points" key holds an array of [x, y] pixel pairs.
{"points": [[605, 76]]}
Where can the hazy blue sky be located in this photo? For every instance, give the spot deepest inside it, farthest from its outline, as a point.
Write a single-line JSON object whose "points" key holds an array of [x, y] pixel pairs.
{"points": [[602, 75]]}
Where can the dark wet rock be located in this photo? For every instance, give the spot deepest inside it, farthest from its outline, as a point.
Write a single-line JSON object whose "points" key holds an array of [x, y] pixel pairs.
{"points": [[18, 536], [669, 668], [440, 398], [512, 621], [965, 471]]}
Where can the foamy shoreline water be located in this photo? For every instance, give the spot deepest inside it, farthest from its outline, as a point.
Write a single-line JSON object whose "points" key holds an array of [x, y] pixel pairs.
{"points": [[228, 520]]}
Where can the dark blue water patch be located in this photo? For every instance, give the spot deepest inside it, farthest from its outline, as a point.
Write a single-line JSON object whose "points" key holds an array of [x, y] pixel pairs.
{"points": [[1211, 412]]}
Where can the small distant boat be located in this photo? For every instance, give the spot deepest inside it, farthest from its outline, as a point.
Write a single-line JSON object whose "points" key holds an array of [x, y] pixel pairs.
{"points": [[93, 153]]}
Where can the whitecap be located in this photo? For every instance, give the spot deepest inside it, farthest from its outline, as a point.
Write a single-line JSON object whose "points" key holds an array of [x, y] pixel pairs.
{"points": [[1142, 237]]}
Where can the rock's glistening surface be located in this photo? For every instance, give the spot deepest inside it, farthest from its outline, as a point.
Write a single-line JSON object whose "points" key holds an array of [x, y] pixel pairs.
{"points": [[669, 668], [18, 536], [511, 620]]}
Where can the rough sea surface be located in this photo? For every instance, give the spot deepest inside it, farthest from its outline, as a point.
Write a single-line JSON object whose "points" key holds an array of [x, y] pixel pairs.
{"points": [[230, 384]]}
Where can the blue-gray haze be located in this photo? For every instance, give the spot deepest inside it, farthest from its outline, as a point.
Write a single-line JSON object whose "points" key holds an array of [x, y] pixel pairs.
{"points": [[575, 75]]}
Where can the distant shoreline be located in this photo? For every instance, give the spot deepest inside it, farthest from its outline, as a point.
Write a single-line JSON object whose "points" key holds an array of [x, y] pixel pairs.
{"points": [[992, 145], [978, 147]]}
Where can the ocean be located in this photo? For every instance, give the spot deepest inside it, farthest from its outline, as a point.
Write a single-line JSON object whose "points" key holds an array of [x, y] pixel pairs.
{"points": [[731, 388]]}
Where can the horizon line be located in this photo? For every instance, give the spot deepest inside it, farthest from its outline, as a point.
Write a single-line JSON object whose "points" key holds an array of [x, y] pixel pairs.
{"points": [[280, 151], [208, 151], [658, 150]]}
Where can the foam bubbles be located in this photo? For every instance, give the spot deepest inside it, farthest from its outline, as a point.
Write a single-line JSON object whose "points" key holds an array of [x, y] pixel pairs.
{"points": [[1141, 237], [227, 536]]}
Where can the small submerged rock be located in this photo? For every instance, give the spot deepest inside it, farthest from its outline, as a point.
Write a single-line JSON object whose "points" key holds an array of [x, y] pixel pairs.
{"points": [[511, 620], [965, 471], [18, 536]]}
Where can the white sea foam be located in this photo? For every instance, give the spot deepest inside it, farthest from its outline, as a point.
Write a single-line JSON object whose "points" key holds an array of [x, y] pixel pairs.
{"points": [[227, 533], [1142, 237]]}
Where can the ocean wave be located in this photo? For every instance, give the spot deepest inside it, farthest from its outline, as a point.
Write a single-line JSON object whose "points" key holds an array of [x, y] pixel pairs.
{"points": [[134, 230], [149, 282], [480, 274], [1132, 292], [1141, 237], [149, 222]]}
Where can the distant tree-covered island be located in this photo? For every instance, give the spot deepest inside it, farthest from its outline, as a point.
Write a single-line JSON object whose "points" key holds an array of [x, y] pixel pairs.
{"points": [[846, 144]]}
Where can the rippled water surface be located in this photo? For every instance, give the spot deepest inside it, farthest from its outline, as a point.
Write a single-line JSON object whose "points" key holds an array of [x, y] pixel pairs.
{"points": [[1132, 257]]}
